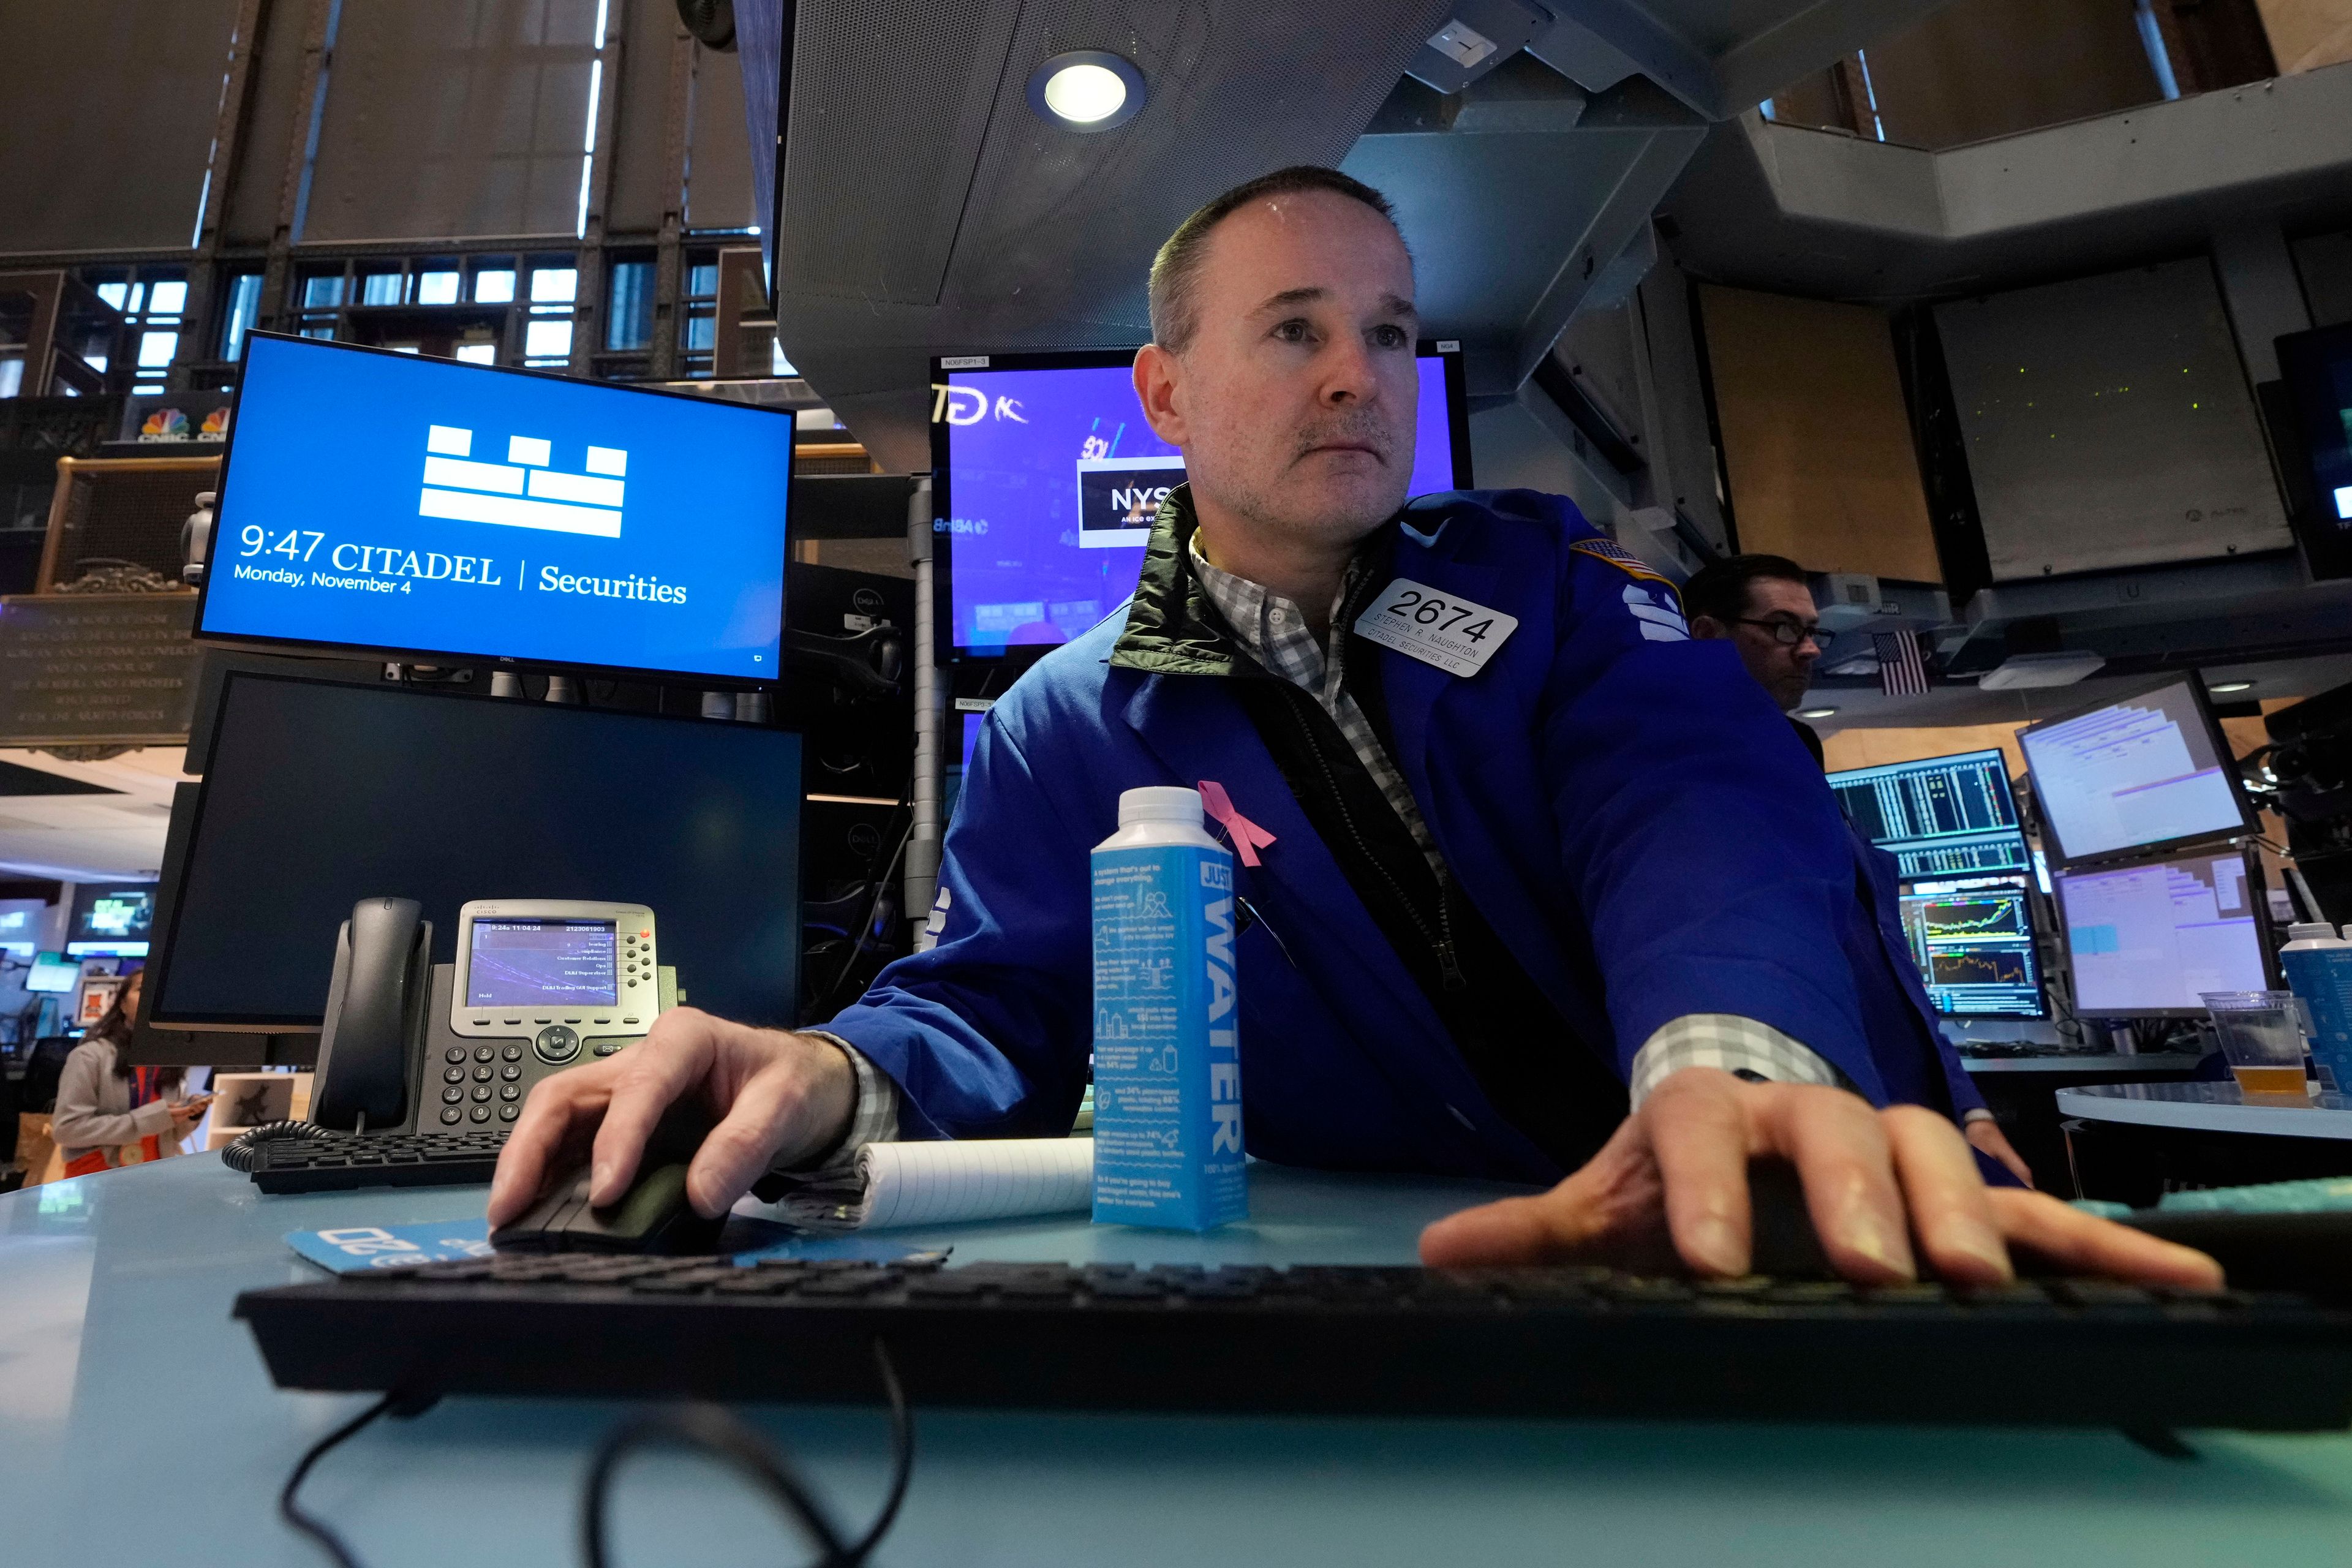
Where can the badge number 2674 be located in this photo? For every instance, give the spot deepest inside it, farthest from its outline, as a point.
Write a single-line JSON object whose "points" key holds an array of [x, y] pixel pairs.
{"points": [[1441, 629]]}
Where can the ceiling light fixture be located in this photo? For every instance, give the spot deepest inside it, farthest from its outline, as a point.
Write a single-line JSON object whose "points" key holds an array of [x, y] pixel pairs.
{"points": [[1815, 712], [1087, 89], [2227, 687]]}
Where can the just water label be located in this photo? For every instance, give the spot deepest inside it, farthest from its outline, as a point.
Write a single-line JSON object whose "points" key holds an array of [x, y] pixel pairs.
{"points": [[1167, 1121]]}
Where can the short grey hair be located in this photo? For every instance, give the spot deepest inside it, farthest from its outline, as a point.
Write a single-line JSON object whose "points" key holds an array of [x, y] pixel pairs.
{"points": [[1177, 268]]}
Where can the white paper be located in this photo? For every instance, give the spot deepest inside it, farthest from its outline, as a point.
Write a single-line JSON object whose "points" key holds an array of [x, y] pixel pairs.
{"points": [[943, 1182]]}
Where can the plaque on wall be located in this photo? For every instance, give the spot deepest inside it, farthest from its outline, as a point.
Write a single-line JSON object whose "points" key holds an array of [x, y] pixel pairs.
{"points": [[80, 669]]}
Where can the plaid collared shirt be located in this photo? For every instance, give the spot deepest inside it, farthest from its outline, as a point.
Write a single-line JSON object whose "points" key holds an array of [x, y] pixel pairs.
{"points": [[1275, 632]]}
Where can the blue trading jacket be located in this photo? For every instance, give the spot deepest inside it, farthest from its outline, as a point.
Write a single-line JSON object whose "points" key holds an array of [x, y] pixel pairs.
{"points": [[1624, 805]]}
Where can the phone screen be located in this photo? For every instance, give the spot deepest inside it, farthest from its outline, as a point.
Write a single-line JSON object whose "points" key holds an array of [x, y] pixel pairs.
{"points": [[542, 963]]}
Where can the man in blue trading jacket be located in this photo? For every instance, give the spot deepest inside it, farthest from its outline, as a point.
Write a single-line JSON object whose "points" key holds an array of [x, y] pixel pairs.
{"points": [[1567, 862], [1763, 605]]}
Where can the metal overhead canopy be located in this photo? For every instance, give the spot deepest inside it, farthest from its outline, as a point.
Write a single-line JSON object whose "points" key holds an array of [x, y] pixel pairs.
{"points": [[925, 208]]}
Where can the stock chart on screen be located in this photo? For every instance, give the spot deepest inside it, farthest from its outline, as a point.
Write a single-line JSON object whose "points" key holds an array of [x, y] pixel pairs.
{"points": [[1972, 938], [1938, 817]]}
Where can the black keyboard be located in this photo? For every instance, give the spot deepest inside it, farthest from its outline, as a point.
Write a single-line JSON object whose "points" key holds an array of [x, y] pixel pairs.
{"points": [[330, 1161], [1583, 1343]]}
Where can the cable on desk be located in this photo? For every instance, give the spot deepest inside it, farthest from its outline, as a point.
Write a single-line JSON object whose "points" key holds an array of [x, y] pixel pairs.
{"points": [[309, 1524], [245, 1154], [713, 1430]]}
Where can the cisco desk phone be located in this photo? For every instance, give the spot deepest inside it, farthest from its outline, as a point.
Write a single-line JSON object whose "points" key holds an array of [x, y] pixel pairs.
{"points": [[423, 1067]]}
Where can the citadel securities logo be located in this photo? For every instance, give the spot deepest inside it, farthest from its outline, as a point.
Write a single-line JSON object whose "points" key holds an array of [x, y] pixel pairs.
{"points": [[524, 491], [1119, 498]]}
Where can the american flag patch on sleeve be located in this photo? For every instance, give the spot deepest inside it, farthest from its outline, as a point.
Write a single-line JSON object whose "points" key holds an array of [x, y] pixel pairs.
{"points": [[1624, 560]]}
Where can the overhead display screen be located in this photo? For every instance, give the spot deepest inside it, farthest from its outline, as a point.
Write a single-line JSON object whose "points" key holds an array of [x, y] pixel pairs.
{"points": [[1938, 817], [1049, 480], [2140, 774], [399, 504]]}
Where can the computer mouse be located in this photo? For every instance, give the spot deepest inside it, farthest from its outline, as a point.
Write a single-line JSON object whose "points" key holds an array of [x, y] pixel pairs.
{"points": [[653, 1215]]}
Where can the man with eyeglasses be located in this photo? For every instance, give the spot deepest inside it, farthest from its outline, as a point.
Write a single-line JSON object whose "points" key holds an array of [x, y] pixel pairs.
{"points": [[1763, 605]]}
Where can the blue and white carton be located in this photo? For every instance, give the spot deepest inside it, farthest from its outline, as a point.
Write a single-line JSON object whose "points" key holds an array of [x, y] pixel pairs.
{"points": [[2318, 965], [1168, 1071]]}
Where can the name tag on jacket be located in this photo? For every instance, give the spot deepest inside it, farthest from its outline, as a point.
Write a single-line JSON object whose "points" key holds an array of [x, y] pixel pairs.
{"points": [[1443, 629]]}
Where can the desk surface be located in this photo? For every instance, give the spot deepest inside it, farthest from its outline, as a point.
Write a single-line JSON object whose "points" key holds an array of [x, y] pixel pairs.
{"points": [[2207, 1108], [136, 1423]]}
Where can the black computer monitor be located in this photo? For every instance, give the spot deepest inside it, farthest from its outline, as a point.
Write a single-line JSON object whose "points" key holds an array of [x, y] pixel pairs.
{"points": [[1045, 478], [405, 505], [318, 793], [2317, 367], [1972, 938], [110, 920], [2144, 939], [2130, 774], [53, 973], [1938, 817]]}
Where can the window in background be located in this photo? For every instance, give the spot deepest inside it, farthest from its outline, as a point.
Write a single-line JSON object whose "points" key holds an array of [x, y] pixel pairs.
{"points": [[629, 320], [547, 334], [154, 302], [697, 324], [240, 314]]}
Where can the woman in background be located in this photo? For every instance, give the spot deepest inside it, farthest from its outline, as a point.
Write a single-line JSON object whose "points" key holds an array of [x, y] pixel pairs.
{"points": [[107, 1107]]}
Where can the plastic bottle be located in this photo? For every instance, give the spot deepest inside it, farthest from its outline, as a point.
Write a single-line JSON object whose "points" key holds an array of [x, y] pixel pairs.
{"points": [[2318, 965], [1168, 1084]]}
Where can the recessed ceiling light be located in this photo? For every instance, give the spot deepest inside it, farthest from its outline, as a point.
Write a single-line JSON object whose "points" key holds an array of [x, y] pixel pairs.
{"points": [[1815, 712], [2225, 687], [1087, 89]]}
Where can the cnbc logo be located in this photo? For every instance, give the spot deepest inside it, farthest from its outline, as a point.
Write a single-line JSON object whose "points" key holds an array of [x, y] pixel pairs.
{"points": [[524, 491], [1120, 496]]}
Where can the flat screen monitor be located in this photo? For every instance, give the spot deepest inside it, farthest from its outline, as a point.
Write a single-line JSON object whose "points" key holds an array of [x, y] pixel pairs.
{"points": [[2317, 367], [52, 972], [110, 920], [2147, 772], [1938, 817], [1972, 938], [1046, 479], [2144, 941], [318, 793], [394, 504]]}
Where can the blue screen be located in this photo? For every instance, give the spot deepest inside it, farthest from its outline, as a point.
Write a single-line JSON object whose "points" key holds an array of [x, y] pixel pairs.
{"points": [[419, 505], [1053, 481]]}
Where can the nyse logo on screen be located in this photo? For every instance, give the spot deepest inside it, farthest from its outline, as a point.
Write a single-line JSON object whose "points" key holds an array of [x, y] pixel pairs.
{"points": [[1119, 498], [524, 491]]}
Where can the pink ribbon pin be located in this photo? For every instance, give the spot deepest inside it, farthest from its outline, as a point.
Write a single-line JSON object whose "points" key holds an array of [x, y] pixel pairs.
{"points": [[1248, 836]]}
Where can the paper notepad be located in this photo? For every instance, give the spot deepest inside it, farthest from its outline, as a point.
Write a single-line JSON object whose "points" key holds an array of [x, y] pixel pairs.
{"points": [[948, 1183]]}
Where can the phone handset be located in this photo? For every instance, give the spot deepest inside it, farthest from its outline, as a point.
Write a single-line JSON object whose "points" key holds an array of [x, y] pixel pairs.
{"points": [[376, 1011]]}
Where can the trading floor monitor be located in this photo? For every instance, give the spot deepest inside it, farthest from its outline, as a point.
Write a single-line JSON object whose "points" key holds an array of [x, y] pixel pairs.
{"points": [[2146, 939], [317, 795], [1938, 817], [1045, 480], [403, 505], [2151, 770], [1972, 938]]}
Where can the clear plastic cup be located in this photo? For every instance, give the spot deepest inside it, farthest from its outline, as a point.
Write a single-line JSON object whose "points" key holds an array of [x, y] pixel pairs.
{"points": [[2261, 1035]]}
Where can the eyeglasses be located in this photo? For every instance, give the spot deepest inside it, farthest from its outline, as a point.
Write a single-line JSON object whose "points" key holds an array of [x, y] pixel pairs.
{"points": [[1786, 633]]}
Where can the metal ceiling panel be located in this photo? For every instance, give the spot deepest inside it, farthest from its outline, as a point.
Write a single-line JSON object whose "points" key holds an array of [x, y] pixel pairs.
{"points": [[925, 208], [76, 172]]}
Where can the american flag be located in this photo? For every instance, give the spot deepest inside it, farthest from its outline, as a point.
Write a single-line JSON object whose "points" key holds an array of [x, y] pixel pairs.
{"points": [[1901, 672]]}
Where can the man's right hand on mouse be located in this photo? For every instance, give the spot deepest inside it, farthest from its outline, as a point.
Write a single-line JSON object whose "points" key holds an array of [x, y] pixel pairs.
{"points": [[777, 1098]]}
